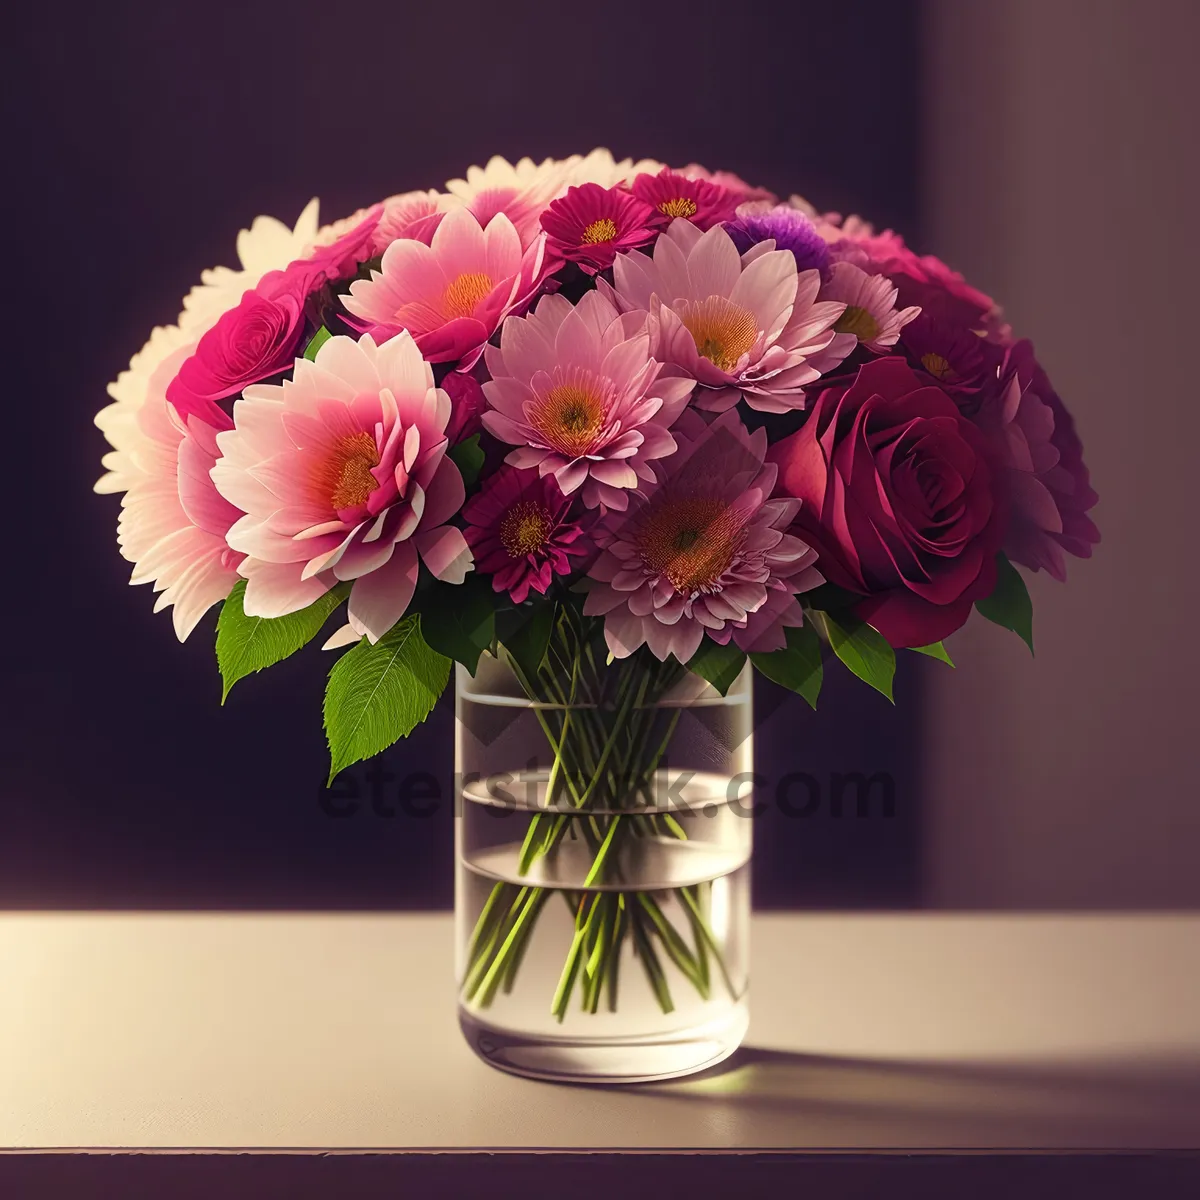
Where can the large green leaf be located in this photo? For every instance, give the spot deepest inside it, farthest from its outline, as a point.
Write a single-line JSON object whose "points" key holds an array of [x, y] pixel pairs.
{"points": [[935, 650], [525, 633], [468, 458], [459, 620], [863, 649], [247, 644], [1009, 604], [381, 693], [798, 665], [720, 665]]}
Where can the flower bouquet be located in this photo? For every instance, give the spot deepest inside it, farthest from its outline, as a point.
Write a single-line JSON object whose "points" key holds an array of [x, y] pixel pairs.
{"points": [[609, 436]]}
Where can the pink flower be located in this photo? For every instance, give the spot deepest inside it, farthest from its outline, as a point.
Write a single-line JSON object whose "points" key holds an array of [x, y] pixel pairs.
{"points": [[575, 389], [452, 294], [590, 224], [871, 314], [520, 191], [517, 528], [956, 357], [411, 215], [173, 522], [744, 326], [672, 196], [702, 551], [1042, 459], [343, 474]]}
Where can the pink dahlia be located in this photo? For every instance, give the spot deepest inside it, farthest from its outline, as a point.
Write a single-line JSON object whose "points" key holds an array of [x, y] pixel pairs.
{"points": [[520, 191], [452, 294], [173, 521], [576, 391], [343, 474], [1048, 487], [744, 326], [871, 314], [590, 224], [517, 528], [700, 201], [702, 551]]}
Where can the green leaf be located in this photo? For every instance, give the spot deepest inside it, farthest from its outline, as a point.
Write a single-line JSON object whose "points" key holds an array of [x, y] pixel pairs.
{"points": [[798, 665], [381, 693], [459, 620], [864, 650], [247, 644], [318, 340], [936, 650], [720, 665], [1009, 604], [525, 633], [468, 458]]}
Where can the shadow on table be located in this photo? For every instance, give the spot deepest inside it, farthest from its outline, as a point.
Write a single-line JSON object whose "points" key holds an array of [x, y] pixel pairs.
{"points": [[1127, 1102]]}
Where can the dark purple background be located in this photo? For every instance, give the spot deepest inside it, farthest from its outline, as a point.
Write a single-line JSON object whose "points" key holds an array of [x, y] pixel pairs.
{"points": [[138, 139]]}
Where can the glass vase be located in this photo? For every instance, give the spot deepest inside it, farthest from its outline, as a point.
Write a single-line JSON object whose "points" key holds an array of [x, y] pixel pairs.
{"points": [[603, 861]]}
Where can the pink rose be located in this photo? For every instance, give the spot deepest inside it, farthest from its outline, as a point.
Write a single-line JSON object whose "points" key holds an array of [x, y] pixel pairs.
{"points": [[263, 334], [466, 406], [898, 500]]}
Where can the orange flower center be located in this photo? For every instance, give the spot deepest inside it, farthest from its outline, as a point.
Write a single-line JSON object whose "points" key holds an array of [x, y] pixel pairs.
{"points": [[691, 540], [723, 331], [346, 475], [525, 528], [569, 416], [859, 322], [679, 206], [466, 293], [602, 230], [937, 366]]}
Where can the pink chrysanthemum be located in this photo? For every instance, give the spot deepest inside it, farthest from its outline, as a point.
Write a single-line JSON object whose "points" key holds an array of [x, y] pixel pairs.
{"points": [[517, 528], [520, 191], [703, 551], [576, 390], [744, 326], [452, 294], [871, 315], [699, 201], [343, 474], [590, 224]]}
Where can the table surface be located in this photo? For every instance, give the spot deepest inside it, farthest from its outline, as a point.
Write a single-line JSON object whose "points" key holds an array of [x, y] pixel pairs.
{"points": [[338, 1032]]}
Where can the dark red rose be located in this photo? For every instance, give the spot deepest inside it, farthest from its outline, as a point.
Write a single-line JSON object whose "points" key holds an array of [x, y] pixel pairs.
{"points": [[898, 500]]}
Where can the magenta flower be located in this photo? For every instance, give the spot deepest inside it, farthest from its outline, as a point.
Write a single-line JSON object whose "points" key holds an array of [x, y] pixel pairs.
{"points": [[700, 201], [466, 406], [452, 294], [576, 391], [518, 530], [703, 551], [956, 357], [590, 224], [745, 192]]}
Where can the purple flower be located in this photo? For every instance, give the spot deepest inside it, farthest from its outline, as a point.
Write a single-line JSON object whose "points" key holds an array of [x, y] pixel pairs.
{"points": [[790, 229]]}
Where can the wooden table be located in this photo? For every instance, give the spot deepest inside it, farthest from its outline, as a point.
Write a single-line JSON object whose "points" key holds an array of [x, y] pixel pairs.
{"points": [[878, 1043]]}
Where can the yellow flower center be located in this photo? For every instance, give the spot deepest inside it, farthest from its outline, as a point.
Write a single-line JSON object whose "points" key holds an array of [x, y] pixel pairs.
{"points": [[602, 230], [691, 540], [679, 206], [346, 475], [723, 331], [464, 295], [569, 416], [859, 322], [525, 528], [937, 366]]}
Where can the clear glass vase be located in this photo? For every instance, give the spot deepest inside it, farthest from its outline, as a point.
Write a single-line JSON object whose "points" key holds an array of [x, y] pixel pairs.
{"points": [[603, 861]]}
